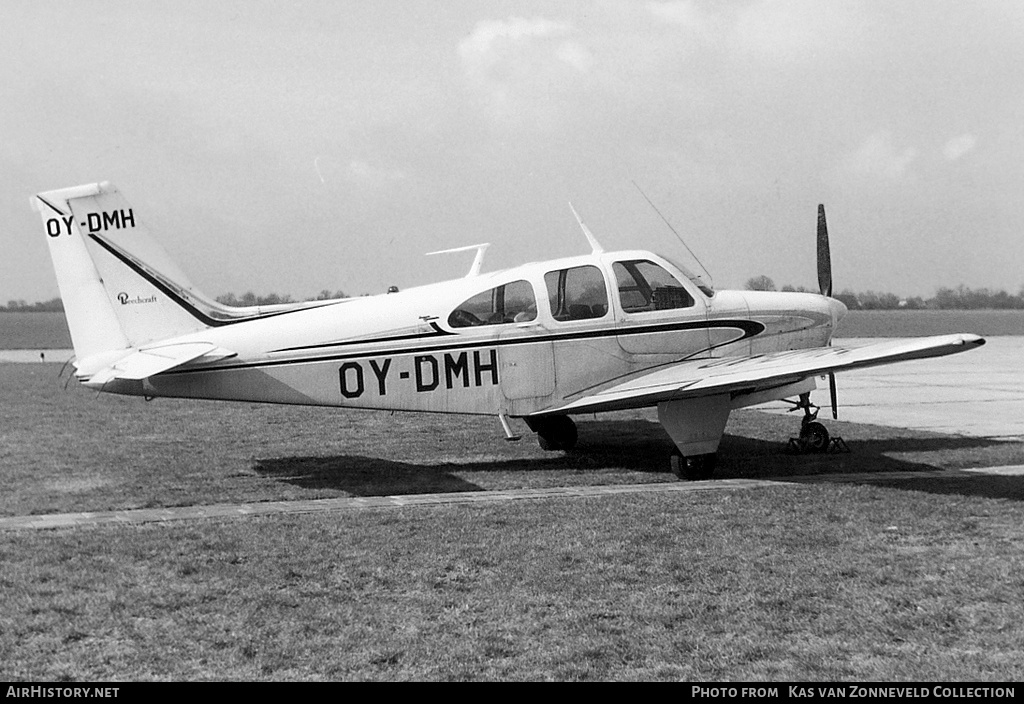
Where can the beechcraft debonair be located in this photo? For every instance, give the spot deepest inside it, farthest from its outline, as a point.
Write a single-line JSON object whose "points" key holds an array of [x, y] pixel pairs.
{"points": [[538, 342]]}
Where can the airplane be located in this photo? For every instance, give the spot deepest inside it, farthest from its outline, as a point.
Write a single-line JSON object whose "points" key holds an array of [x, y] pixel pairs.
{"points": [[539, 342]]}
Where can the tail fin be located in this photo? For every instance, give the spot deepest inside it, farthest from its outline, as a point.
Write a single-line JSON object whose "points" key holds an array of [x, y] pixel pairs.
{"points": [[120, 288]]}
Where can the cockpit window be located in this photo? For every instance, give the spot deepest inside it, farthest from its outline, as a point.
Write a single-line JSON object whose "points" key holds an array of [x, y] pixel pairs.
{"points": [[577, 293], [697, 281], [510, 303], [645, 286]]}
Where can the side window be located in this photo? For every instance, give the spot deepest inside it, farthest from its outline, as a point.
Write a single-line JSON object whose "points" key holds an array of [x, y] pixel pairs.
{"points": [[577, 293], [645, 286], [511, 303]]}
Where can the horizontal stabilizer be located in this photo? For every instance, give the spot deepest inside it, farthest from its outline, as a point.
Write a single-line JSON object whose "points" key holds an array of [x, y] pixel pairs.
{"points": [[747, 375], [148, 361]]}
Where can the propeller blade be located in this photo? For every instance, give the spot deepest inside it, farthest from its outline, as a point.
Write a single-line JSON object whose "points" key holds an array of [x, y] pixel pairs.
{"points": [[832, 395], [824, 256]]}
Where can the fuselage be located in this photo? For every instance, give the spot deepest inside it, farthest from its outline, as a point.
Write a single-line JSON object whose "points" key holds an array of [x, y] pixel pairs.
{"points": [[514, 342]]}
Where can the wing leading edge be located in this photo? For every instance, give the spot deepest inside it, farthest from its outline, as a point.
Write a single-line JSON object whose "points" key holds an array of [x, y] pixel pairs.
{"points": [[750, 374]]}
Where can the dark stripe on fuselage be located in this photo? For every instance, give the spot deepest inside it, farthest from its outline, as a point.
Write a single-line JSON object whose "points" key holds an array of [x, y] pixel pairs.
{"points": [[750, 328], [177, 298]]}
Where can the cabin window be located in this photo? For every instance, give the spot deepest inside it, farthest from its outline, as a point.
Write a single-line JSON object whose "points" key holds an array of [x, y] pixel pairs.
{"points": [[577, 294], [510, 303], [645, 286]]}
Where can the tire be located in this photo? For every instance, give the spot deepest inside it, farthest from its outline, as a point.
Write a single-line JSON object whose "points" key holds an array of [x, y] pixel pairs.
{"points": [[814, 437], [548, 443], [695, 467], [557, 433]]}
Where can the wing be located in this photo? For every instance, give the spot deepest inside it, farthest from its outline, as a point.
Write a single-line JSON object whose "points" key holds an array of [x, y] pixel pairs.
{"points": [[150, 360], [750, 374]]}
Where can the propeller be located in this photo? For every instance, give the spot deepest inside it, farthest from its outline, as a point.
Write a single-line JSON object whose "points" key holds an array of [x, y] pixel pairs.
{"points": [[825, 287], [824, 256]]}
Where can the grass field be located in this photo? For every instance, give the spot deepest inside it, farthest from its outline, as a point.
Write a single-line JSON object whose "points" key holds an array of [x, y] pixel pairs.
{"points": [[21, 331], [817, 583], [915, 579]]}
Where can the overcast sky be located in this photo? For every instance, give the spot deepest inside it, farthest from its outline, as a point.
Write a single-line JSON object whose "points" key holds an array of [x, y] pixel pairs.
{"points": [[298, 146]]}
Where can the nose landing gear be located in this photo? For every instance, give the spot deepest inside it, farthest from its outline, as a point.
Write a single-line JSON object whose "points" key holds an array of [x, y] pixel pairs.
{"points": [[814, 436]]}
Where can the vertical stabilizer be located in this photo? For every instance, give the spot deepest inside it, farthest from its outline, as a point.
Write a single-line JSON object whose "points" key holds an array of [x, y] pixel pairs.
{"points": [[120, 288]]}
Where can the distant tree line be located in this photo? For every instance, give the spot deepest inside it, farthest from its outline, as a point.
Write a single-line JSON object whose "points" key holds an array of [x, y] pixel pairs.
{"points": [[959, 298], [54, 305], [251, 299]]}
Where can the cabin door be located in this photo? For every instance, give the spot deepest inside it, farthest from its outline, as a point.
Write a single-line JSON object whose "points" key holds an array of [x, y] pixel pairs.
{"points": [[526, 369]]}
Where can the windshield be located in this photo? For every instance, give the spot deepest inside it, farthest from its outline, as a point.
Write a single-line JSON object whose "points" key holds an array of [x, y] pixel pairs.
{"points": [[645, 286], [704, 287]]}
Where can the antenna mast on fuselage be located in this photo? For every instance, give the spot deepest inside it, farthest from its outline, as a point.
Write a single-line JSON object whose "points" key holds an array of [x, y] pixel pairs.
{"points": [[679, 237], [595, 246]]}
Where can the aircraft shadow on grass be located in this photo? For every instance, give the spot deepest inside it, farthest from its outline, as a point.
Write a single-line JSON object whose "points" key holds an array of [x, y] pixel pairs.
{"points": [[641, 446], [635, 445]]}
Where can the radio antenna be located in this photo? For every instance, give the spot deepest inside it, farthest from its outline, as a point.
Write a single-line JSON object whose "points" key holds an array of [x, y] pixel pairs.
{"points": [[679, 237]]}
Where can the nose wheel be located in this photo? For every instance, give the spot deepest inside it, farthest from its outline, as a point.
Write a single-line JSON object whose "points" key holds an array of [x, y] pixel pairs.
{"points": [[814, 436]]}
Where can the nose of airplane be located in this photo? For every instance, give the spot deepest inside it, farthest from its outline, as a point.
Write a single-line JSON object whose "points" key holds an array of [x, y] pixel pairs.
{"points": [[838, 311]]}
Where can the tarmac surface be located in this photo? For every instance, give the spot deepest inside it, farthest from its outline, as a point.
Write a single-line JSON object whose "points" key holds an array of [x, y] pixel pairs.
{"points": [[979, 393], [29, 356]]}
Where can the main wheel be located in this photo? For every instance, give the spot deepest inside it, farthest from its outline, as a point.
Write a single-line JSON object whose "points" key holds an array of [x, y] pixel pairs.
{"points": [[694, 467], [556, 433], [814, 437]]}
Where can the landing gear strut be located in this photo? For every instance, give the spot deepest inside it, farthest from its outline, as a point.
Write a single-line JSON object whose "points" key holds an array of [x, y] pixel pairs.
{"points": [[554, 432]]}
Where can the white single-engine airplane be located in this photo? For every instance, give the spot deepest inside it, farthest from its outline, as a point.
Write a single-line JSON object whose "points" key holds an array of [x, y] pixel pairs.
{"points": [[540, 342]]}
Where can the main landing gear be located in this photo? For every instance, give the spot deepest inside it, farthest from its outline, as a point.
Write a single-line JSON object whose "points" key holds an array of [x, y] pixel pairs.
{"points": [[554, 432], [693, 467], [814, 436]]}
